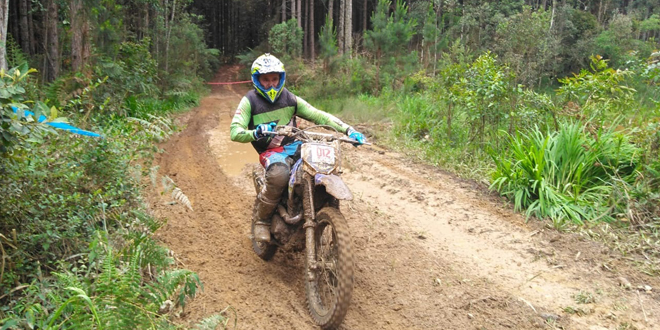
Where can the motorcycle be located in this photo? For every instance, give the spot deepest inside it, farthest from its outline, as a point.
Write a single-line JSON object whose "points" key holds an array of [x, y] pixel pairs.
{"points": [[308, 214]]}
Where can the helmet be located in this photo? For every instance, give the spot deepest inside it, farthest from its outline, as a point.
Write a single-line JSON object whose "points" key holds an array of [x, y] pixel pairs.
{"points": [[267, 63]]}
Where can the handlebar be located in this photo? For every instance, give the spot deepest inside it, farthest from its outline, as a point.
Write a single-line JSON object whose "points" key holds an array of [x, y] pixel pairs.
{"points": [[304, 134]]}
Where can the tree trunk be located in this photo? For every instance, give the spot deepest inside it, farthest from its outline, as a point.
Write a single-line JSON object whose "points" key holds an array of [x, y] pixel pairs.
{"points": [[283, 10], [364, 16], [299, 17], [86, 40], [145, 31], [552, 16], [311, 31], [169, 33], [52, 43], [341, 27], [33, 46], [293, 9], [76, 35], [4, 22], [24, 26], [348, 29], [331, 4], [306, 30]]}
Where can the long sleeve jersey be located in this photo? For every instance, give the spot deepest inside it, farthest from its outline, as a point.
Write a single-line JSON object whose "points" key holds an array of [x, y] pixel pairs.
{"points": [[255, 110]]}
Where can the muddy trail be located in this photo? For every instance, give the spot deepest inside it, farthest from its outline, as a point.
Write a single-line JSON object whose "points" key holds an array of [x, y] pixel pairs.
{"points": [[431, 251]]}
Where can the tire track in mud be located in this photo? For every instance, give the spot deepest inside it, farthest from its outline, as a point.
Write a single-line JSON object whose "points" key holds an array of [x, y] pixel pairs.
{"points": [[431, 252]]}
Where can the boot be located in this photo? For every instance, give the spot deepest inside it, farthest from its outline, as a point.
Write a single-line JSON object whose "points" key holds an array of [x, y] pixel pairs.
{"points": [[263, 210]]}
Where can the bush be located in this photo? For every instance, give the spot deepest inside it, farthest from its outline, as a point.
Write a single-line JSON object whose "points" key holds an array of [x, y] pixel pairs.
{"points": [[71, 224], [571, 175], [285, 39]]}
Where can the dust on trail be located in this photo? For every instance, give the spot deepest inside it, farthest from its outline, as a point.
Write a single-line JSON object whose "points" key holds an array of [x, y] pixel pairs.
{"points": [[431, 251]]}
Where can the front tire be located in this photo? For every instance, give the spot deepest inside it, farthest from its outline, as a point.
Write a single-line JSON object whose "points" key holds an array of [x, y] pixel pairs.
{"points": [[329, 294]]}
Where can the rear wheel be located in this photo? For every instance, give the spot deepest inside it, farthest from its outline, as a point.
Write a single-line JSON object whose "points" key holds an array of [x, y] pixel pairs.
{"points": [[329, 294]]}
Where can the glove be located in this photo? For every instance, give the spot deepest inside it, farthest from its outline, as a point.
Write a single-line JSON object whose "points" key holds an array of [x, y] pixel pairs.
{"points": [[261, 128], [355, 135]]}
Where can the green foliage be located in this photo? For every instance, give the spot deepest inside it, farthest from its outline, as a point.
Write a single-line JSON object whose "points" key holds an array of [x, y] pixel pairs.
{"points": [[328, 42], [601, 93], [285, 39], [118, 297], [17, 130], [525, 43], [569, 175], [348, 77], [189, 58], [388, 41], [432, 36], [616, 41], [57, 194], [484, 88], [108, 18], [652, 69], [576, 30]]}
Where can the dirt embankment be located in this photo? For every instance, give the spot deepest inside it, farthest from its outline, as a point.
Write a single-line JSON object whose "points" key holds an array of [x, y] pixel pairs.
{"points": [[431, 251]]}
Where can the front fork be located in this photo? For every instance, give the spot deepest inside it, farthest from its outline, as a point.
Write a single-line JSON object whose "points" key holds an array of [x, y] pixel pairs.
{"points": [[309, 225]]}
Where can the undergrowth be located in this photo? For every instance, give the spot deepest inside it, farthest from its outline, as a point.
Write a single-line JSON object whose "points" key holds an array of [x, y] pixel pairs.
{"points": [[75, 238], [584, 155]]}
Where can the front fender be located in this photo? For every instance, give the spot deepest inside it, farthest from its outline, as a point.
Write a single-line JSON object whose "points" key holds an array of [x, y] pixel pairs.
{"points": [[334, 185]]}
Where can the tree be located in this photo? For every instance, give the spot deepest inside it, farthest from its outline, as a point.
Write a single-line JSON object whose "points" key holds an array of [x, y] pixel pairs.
{"points": [[286, 39], [24, 26], [348, 29], [311, 31], [78, 34], [52, 45], [328, 42], [4, 21], [389, 40], [526, 44], [342, 26]]}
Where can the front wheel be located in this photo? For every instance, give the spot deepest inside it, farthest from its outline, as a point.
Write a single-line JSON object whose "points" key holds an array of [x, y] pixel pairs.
{"points": [[329, 293]]}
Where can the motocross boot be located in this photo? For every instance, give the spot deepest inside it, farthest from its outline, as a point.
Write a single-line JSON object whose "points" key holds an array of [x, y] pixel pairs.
{"points": [[262, 213], [276, 179]]}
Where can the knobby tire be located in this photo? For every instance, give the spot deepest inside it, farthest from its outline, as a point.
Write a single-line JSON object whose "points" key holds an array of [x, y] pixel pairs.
{"points": [[329, 295]]}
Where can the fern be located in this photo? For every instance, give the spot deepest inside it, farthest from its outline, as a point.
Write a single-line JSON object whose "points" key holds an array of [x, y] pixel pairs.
{"points": [[150, 129], [153, 174], [179, 282], [217, 320], [178, 195]]}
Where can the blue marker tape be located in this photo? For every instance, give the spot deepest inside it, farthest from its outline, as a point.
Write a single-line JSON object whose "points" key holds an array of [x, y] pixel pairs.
{"points": [[63, 126]]}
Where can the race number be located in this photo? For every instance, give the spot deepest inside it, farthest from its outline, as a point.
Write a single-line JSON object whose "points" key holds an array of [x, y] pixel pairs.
{"points": [[322, 154]]}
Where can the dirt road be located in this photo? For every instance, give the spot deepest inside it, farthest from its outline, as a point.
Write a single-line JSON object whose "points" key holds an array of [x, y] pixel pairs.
{"points": [[431, 251]]}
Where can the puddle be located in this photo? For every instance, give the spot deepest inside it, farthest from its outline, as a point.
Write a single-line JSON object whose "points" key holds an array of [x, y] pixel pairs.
{"points": [[231, 156]]}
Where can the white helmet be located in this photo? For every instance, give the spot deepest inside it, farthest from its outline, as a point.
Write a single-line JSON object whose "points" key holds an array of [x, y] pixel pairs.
{"points": [[267, 63]]}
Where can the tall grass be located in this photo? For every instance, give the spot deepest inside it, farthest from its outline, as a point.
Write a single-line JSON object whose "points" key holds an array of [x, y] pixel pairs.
{"points": [[569, 175]]}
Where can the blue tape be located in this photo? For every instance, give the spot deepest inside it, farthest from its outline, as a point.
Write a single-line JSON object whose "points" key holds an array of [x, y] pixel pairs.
{"points": [[63, 126]]}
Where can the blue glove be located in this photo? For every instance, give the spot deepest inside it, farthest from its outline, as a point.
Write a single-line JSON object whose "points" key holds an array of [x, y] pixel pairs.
{"points": [[355, 135], [261, 128]]}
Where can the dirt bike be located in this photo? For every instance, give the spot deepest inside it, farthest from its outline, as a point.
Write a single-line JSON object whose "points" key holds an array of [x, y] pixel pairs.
{"points": [[308, 214]]}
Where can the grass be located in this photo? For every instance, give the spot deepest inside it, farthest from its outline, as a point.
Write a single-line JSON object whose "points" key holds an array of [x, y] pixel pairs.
{"points": [[569, 175]]}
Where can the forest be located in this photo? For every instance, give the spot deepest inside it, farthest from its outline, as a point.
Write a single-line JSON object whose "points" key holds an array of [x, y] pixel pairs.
{"points": [[555, 104]]}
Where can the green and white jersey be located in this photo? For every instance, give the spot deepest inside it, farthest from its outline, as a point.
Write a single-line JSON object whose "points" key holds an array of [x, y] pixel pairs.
{"points": [[255, 110]]}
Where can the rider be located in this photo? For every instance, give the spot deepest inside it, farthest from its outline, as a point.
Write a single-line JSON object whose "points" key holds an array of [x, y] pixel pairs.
{"points": [[260, 110]]}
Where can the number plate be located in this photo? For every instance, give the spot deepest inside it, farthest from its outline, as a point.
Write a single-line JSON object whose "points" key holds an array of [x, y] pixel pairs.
{"points": [[322, 154]]}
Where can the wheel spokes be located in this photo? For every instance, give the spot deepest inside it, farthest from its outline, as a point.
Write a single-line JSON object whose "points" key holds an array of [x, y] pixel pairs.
{"points": [[326, 253]]}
